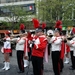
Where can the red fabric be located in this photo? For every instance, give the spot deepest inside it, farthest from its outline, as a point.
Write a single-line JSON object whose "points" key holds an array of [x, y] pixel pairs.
{"points": [[22, 27], [35, 23], [60, 27], [73, 30], [7, 50], [43, 25], [58, 24], [67, 48], [39, 52], [29, 36], [7, 32], [62, 50], [26, 49]]}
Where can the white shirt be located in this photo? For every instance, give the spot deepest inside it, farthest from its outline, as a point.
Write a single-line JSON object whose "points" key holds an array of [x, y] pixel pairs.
{"points": [[7, 44], [56, 43], [72, 45], [20, 43]]}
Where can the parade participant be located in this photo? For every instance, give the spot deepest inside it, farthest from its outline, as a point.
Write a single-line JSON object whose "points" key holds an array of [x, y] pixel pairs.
{"points": [[39, 46], [38, 52], [70, 41], [27, 51], [56, 42], [20, 44], [50, 33], [7, 50]]}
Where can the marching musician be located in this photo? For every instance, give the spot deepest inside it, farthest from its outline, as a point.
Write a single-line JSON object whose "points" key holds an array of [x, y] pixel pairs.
{"points": [[39, 46], [20, 48], [71, 42], [56, 42], [38, 52]]}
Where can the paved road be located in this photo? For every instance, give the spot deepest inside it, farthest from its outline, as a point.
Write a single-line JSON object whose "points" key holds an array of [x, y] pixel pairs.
{"points": [[47, 67]]}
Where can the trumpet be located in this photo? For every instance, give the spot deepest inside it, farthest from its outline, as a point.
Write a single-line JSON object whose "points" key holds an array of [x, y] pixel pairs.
{"points": [[70, 37], [18, 35]]}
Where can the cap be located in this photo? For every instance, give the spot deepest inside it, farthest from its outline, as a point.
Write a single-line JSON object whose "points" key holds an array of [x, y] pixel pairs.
{"points": [[39, 30], [50, 32], [57, 30]]}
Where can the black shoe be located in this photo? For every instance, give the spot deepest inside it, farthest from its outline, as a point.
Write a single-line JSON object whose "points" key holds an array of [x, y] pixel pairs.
{"points": [[20, 71], [71, 68], [60, 70]]}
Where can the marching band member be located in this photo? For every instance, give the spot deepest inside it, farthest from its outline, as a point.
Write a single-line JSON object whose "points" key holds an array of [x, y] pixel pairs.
{"points": [[50, 33], [27, 49], [71, 42], [20, 44], [56, 47], [38, 49], [7, 50], [38, 52], [56, 42]]}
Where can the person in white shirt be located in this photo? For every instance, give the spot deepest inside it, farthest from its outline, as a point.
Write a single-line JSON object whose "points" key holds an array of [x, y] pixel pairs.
{"points": [[20, 44], [56, 41], [71, 43], [7, 50]]}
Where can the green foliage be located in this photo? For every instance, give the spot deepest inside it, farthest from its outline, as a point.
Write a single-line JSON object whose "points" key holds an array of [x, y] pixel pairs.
{"points": [[52, 10], [17, 15], [4, 23]]}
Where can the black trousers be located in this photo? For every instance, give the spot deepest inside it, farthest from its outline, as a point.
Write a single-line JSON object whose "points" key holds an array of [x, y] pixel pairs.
{"points": [[56, 62], [61, 65], [74, 63], [37, 63], [72, 58], [20, 60]]}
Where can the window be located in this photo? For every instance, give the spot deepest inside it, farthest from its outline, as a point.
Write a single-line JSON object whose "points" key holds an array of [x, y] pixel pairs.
{"points": [[5, 11]]}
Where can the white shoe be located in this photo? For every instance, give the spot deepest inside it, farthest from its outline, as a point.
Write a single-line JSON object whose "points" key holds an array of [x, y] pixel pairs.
{"points": [[67, 61], [4, 66], [7, 66], [26, 63]]}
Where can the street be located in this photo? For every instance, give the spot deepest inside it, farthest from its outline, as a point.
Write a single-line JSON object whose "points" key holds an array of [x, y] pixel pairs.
{"points": [[28, 71]]}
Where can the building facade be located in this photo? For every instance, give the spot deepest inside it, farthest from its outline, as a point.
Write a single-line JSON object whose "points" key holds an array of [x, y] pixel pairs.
{"points": [[29, 5], [10, 1]]}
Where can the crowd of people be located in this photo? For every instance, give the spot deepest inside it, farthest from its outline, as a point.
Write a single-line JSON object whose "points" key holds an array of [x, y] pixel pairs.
{"points": [[37, 46]]}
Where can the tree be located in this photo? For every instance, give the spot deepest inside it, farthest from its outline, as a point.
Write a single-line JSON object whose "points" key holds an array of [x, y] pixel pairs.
{"points": [[52, 10], [16, 15]]}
